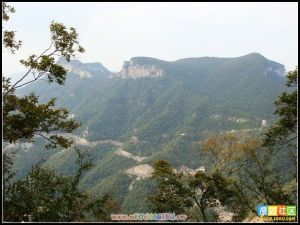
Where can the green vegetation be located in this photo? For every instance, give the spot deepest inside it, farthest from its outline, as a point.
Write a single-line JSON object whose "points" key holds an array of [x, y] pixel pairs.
{"points": [[203, 112], [42, 194], [244, 172], [169, 115], [240, 178], [284, 131]]}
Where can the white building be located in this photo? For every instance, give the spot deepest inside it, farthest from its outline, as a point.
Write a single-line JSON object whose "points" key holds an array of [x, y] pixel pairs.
{"points": [[264, 123]]}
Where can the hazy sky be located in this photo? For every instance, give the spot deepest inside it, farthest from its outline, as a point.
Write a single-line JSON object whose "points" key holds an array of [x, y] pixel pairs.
{"points": [[114, 32]]}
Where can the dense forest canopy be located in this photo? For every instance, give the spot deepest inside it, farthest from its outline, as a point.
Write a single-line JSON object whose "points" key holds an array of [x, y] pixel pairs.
{"points": [[207, 138]]}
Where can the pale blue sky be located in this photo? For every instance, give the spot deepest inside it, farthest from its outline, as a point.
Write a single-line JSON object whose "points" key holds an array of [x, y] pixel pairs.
{"points": [[114, 32]]}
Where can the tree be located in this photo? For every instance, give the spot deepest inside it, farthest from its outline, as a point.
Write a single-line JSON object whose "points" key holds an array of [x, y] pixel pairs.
{"points": [[171, 196], [8, 37], [241, 176], [223, 152], [283, 134], [208, 191], [246, 166], [101, 209], [24, 117], [44, 195], [178, 192], [284, 131]]}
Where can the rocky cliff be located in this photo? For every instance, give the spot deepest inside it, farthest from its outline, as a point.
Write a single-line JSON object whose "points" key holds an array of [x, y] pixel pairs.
{"points": [[135, 69]]}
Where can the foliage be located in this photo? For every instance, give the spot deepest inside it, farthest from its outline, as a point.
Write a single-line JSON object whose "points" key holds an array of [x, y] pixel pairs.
{"points": [[132, 203], [44, 195], [25, 117], [240, 177], [178, 192], [8, 37], [249, 167], [103, 208], [171, 195], [64, 44], [8, 173], [169, 116], [284, 131]]}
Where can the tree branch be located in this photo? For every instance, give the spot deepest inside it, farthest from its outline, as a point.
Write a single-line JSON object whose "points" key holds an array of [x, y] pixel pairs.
{"points": [[40, 134], [36, 78], [13, 86]]}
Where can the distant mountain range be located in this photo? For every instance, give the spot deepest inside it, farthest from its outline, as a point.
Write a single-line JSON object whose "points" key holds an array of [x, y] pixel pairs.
{"points": [[154, 109]]}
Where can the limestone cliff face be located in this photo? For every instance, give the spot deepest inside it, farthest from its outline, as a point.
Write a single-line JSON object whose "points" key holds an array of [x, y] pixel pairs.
{"points": [[84, 70], [279, 70], [135, 69]]}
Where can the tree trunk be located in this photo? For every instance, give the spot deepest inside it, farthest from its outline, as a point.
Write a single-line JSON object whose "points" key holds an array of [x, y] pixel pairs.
{"points": [[202, 209]]}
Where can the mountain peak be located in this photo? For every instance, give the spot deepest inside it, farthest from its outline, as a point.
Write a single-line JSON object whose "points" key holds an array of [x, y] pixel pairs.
{"points": [[84, 70], [145, 60], [270, 67], [255, 55]]}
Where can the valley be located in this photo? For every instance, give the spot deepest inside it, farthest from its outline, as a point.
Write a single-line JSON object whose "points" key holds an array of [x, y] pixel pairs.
{"points": [[153, 110]]}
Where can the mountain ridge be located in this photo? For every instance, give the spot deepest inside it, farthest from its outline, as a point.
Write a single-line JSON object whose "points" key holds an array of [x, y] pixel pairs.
{"points": [[156, 117]]}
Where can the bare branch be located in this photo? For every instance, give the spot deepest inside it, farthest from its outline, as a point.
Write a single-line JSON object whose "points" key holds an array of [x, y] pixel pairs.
{"points": [[36, 78], [14, 86], [48, 139]]}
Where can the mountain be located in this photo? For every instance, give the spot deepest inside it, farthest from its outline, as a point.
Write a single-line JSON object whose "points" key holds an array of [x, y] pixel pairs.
{"points": [[154, 109]]}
